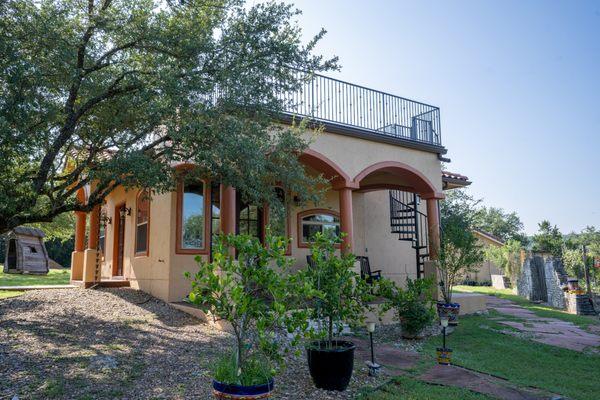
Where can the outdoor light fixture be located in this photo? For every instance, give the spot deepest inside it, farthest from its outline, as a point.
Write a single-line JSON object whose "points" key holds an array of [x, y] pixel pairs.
{"points": [[106, 219], [124, 211], [373, 366], [444, 354]]}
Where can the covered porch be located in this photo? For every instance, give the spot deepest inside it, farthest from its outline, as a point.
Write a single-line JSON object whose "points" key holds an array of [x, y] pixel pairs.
{"points": [[388, 210]]}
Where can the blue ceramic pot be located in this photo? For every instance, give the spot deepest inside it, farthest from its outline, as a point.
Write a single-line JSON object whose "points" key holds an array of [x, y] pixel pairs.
{"points": [[227, 391]]}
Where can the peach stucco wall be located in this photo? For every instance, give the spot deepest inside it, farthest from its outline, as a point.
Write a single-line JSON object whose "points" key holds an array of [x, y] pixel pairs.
{"points": [[484, 271], [161, 272]]}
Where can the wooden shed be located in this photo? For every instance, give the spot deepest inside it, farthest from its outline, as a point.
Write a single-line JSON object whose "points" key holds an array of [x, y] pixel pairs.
{"points": [[26, 252]]}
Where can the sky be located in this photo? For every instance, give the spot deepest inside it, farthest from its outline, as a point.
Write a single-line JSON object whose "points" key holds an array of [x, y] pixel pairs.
{"points": [[517, 83]]}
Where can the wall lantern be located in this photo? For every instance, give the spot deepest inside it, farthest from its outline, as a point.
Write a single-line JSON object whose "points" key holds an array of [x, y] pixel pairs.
{"points": [[125, 211], [105, 219]]}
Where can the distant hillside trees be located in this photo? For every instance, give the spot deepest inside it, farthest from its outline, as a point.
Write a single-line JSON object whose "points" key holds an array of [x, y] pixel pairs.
{"points": [[502, 224]]}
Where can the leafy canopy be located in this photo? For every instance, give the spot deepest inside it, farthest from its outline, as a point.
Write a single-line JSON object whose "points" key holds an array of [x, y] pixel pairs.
{"points": [[502, 224], [113, 92], [460, 250], [549, 239], [507, 257]]}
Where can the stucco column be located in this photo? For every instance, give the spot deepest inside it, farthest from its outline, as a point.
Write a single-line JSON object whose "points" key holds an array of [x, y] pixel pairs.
{"points": [[227, 209], [433, 222], [346, 221], [80, 223], [90, 258], [77, 255], [433, 228], [94, 225]]}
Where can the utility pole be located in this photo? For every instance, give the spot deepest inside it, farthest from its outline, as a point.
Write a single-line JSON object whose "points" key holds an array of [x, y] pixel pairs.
{"points": [[586, 268]]}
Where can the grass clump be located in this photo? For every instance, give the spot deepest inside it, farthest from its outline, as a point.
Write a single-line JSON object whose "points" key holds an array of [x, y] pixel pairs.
{"points": [[257, 371]]}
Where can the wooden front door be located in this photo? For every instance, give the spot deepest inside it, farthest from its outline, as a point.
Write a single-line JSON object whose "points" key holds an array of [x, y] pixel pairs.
{"points": [[119, 241]]}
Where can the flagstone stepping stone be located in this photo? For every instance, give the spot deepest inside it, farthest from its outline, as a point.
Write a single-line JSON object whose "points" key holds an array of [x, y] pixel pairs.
{"points": [[451, 375], [545, 330]]}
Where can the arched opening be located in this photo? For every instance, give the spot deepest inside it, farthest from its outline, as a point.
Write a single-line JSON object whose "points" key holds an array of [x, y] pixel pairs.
{"points": [[11, 255], [395, 175], [330, 170]]}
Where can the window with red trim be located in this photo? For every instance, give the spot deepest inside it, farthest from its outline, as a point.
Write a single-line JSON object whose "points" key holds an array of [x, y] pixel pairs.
{"points": [[319, 221], [192, 223], [142, 223]]}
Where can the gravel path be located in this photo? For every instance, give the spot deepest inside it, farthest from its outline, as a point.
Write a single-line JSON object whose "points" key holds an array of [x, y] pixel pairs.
{"points": [[121, 344]]}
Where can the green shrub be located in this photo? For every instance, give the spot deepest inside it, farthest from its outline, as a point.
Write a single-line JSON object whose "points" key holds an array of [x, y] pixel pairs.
{"points": [[342, 295], [413, 306], [258, 296]]}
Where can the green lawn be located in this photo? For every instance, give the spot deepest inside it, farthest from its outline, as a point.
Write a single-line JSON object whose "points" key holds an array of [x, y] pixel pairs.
{"points": [[543, 311], [5, 294], [480, 344], [54, 277]]}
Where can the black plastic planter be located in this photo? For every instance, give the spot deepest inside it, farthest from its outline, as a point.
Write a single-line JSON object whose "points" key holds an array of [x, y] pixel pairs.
{"points": [[331, 368], [227, 391]]}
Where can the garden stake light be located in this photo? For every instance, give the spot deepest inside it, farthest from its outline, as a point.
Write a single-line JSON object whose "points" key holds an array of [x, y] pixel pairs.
{"points": [[444, 354], [373, 366]]}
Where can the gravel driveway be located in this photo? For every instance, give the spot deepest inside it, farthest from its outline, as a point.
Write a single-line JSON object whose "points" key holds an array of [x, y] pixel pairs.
{"points": [[121, 344]]}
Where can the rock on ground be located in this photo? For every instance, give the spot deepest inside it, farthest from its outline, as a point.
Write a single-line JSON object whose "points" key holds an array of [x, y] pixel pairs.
{"points": [[122, 344]]}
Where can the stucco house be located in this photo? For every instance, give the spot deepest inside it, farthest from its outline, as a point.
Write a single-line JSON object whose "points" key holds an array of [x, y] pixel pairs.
{"points": [[381, 153], [484, 271]]}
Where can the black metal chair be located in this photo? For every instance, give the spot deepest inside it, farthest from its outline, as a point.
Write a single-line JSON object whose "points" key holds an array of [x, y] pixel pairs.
{"points": [[365, 270]]}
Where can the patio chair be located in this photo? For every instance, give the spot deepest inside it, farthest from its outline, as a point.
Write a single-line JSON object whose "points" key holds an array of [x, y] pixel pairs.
{"points": [[365, 270]]}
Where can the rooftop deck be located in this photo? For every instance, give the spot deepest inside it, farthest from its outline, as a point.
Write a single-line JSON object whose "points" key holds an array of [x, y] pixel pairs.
{"points": [[347, 107]]}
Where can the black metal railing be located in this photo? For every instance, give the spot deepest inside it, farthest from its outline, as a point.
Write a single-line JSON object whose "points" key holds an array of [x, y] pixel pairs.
{"points": [[332, 101], [410, 224]]}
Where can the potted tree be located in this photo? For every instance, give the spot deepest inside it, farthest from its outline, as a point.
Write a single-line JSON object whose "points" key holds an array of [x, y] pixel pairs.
{"points": [[413, 305], [460, 253], [255, 295], [341, 300]]}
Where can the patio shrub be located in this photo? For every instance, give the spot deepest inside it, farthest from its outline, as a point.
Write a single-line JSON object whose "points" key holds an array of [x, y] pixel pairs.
{"points": [[258, 296], [413, 306]]}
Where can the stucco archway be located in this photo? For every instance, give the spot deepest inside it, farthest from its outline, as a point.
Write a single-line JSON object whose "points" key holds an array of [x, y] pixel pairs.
{"points": [[330, 170], [395, 175]]}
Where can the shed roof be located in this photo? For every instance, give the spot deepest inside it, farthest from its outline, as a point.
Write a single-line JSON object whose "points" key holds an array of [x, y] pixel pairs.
{"points": [[28, 231], [489, 236]]}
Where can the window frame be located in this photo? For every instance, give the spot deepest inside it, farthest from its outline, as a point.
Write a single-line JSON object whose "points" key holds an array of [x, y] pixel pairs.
{"points": [[307, 213], [102, 234], [145, 253], [207, 220]]}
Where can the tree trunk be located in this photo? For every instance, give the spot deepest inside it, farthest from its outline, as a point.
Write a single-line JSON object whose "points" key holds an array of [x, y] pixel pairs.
{"points": [[330, 332]]}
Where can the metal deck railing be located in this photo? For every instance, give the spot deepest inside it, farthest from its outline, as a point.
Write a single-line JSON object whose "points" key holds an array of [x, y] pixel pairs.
{"points": [[332, 101]]}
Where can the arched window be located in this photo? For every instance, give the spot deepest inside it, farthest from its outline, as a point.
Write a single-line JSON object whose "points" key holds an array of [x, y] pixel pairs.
{"points": [[142, 223], [191, 222], [313, 221]]}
